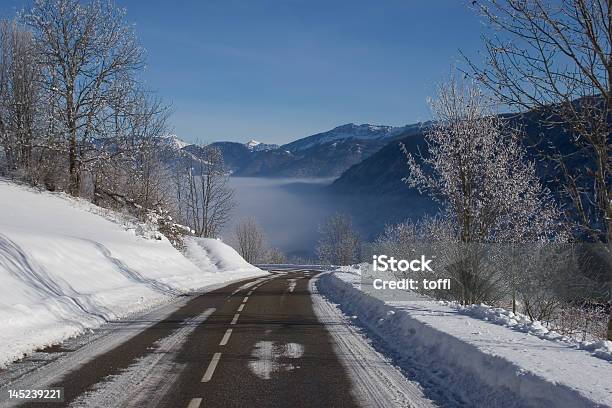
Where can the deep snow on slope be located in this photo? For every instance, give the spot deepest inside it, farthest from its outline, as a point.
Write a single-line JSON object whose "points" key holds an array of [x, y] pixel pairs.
{"points": [[67, 266], [463, 360], [213, 255]]}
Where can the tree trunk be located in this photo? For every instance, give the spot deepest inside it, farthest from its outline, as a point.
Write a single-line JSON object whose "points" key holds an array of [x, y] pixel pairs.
{"points": [[608, 198], [71, 121], [609, 334], [72, 157], [609, 260]]}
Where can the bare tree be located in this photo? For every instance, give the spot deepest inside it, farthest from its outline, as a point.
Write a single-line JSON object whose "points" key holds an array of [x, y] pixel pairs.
{"points": [[149, 181], [340, 243], [127, 165], [87, 50], [19, 97], [275, 256], [477, 169], [249, 240], [557, 57], [209, 199]]}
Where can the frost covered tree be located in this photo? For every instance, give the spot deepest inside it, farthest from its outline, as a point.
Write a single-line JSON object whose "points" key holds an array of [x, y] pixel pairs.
{"points": [[340, 243], [556, 57], [73, 113], [89, 53], [250, 240], [477, 169], [148, 181]]}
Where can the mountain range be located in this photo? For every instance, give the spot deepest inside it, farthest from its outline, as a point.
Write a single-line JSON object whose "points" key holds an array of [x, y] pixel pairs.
{"points": [[368, 166], [366, 159], [325, 154]]}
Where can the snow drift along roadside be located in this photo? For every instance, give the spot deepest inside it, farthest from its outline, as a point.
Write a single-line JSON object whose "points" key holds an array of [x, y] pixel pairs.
{"points": [[464, 361], [65, 268]]}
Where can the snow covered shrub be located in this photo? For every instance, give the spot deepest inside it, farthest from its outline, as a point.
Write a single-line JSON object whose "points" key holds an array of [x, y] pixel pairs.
{"points": [[398, 240], [583, 322], [340, 243], [537, 275], [171, 230]]}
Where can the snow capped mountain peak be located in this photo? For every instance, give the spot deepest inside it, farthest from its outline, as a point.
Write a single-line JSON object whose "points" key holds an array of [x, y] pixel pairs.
{"points": [[364, 131], [252, 143], [174, 142], [363, 128], [256, 146]]}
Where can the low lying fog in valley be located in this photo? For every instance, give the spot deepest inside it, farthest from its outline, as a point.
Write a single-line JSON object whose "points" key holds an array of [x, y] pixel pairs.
{"points": [[291, 210]]}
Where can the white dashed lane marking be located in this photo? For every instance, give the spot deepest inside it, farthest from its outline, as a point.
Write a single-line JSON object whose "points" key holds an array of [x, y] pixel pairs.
{"points": [[194, 403], [211, 367], [226, 337], [235, 319]]}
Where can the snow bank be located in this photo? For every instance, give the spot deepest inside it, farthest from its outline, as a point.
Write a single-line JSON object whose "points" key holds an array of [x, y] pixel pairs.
{"points": [[66, 268], [462, 361], [221, 259], [516, 321]]}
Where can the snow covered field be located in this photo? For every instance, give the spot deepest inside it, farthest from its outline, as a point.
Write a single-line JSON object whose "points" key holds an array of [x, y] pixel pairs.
{"points": [[463, 360], [67, 266]]}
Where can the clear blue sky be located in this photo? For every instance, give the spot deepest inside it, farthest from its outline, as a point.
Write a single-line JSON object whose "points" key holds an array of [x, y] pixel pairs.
{"points": [[279, 70]]}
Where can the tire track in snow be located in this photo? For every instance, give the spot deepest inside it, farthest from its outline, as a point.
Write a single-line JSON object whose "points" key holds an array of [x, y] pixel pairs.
{"points": [[22, 266], [132, 274], [377, 382]]}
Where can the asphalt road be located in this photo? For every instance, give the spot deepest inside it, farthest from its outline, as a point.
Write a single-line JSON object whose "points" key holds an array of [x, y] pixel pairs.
{"points": [[263, 347], [254, 343]]}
